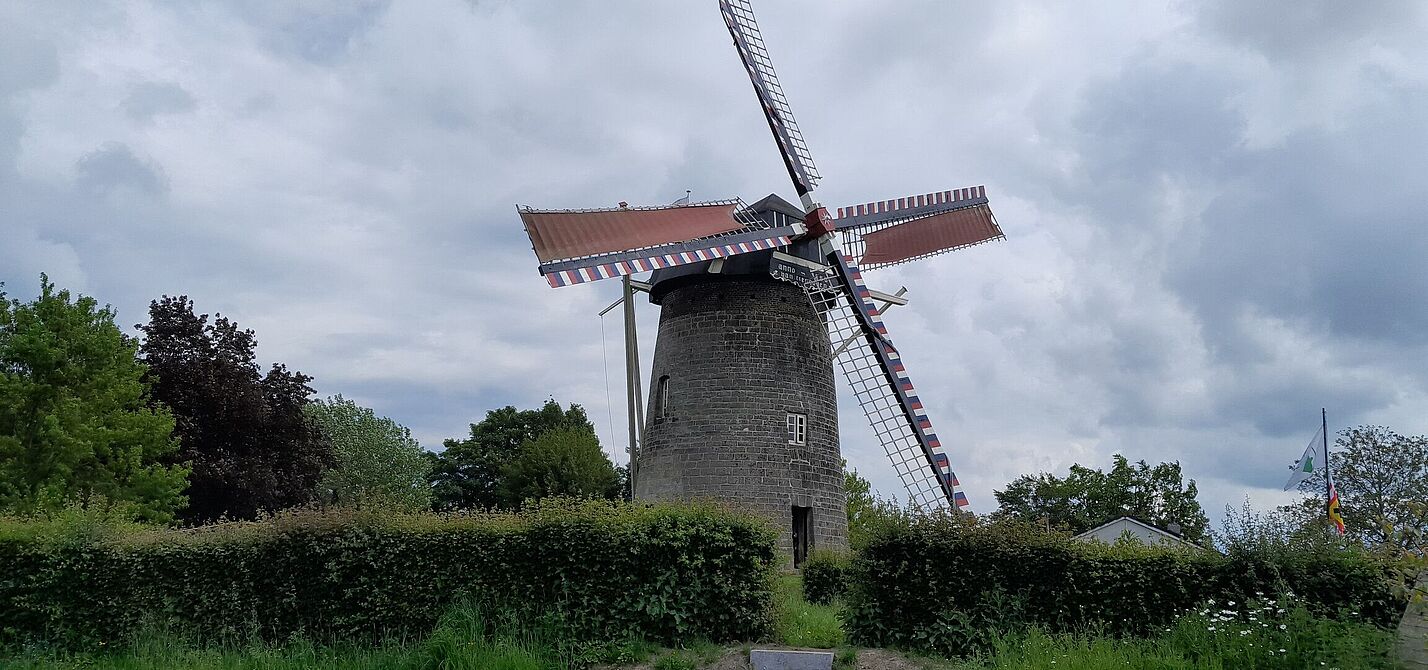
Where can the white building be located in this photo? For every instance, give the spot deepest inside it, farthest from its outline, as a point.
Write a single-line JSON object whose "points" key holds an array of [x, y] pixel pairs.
{"points": [[1138, 530]]}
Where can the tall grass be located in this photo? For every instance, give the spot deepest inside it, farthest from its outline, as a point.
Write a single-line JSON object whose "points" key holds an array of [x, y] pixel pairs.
{"points": [[1280, 635], [1259, 635], [467, 638], [799, 623]]}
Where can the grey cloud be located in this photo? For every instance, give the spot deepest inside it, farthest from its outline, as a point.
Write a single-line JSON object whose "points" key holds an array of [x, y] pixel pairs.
{"points": [[114, 165], [150, 99], [1156, 118], [317, 31], [1321, 230], [1312, 29]]}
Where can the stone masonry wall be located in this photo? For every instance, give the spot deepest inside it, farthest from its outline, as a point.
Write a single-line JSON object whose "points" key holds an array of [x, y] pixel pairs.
{"points": [[740, 355], [1412, 647]]}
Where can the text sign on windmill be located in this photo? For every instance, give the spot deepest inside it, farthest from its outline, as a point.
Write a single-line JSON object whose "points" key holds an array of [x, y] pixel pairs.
{"points": [[692, 246]]}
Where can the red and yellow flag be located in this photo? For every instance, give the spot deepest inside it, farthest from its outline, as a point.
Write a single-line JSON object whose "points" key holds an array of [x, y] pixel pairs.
{"points": [[1334, 515]]}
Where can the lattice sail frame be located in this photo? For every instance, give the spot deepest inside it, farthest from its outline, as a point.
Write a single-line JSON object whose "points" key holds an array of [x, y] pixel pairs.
{"points": [[739, 17], [881, 385]]}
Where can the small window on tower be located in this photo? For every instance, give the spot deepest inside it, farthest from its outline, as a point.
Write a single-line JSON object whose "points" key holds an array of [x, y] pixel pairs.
{"points": [[797, 428], [662, 397]]}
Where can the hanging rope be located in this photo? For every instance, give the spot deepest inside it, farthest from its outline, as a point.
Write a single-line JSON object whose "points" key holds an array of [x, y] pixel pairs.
{"points": [[605, 358]]}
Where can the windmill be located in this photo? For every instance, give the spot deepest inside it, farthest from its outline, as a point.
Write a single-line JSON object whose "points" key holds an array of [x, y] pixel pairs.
{"points": [[758, 304]]}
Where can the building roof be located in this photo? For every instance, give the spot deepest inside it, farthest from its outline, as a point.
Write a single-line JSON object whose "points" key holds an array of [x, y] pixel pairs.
{"points": [[1165, 535]]}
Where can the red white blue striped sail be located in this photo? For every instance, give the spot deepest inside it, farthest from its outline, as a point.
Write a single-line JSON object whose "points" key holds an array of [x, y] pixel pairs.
{"points": [[559, 278], [906, 392]]}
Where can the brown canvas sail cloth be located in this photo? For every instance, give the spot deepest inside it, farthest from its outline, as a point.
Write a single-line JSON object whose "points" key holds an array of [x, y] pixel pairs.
{"points": [[562, 235], [914, 239]]}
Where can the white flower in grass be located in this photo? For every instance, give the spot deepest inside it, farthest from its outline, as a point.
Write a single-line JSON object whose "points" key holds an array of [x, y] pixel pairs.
{"points": [[1282, 651], [1231, 603]]}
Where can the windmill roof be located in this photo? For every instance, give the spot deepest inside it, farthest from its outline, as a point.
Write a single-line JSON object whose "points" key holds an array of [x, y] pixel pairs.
{"points": [[773, 203]]}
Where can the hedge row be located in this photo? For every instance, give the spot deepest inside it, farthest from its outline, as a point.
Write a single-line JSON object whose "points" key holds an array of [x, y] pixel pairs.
{"points": [[825, 576], [935, 583], [604, 571]]}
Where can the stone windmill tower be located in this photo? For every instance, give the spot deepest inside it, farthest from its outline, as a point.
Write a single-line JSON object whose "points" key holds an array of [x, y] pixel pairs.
{"points": [[758, 305]]}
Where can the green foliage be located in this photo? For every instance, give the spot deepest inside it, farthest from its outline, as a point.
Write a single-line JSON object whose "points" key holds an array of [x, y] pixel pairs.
{"points": [[244, 434], [599, 570], [799, 623], [467, 473], [466, 637], [75, 427], [565, 461], [825, 576], [936, 581], [1251, 636], [858, 493], [378, 462], [1087, 498], [866, 510], [1283, 633]]}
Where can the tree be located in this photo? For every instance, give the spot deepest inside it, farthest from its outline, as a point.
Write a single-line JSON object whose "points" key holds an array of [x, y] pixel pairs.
{"points": [[858, 494], [565, 461], [467, 473], [377, 461], [250, 445], [622, 490], [866, 510], [1087, 498], [1382, 480], [75, 426]]}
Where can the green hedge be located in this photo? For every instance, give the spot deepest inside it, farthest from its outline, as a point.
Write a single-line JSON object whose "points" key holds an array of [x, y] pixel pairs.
{"points": [[938, 583], [825, 576], [602, 570]]}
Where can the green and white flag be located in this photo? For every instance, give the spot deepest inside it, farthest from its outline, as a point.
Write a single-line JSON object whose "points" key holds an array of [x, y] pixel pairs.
{"points": [[1312, 461]]}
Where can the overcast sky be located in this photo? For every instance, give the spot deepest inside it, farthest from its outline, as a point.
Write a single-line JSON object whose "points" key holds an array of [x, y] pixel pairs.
{"points": [[1215, 211]]}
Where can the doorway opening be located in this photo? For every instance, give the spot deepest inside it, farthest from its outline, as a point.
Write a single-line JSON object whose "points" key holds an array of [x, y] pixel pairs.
{"points": [[801, 535]]}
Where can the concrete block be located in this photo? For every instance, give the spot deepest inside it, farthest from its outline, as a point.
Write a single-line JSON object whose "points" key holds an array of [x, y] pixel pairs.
{"points": [[772, 659]]}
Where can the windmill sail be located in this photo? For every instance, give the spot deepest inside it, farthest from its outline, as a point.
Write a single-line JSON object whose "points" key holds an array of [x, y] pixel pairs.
{"points": [[577, 246], [896, 231], [739, 17], [881, 386]]}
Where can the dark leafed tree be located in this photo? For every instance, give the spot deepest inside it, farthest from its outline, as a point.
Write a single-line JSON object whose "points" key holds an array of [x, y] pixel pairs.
{"points": [[75, 426], [621, 491], [1382, 479], [1088, 497], [243, 432], [467, 473], [565, 461]]}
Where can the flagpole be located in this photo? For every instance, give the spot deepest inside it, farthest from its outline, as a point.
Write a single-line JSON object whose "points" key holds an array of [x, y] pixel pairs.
{"points": [[1328, 482]]}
